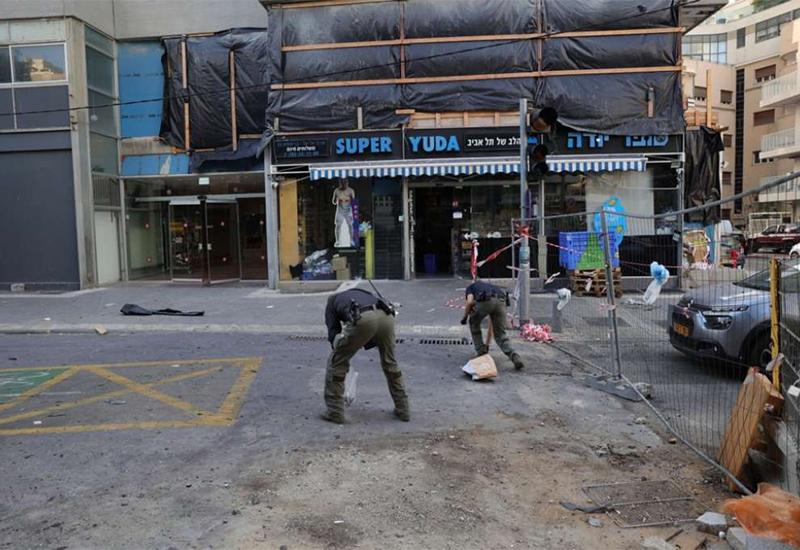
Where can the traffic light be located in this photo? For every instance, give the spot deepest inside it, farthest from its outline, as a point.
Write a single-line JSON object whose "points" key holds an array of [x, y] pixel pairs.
{"points": [[542, 120], [537, 161]]}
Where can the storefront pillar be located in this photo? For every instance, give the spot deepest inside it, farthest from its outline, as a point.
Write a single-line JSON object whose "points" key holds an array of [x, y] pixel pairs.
{"points": [[406, 232], [271, 215]]}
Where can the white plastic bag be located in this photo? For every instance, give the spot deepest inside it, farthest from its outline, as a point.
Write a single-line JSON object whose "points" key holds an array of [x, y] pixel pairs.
{"points": [[481, 368], [350, 389]]}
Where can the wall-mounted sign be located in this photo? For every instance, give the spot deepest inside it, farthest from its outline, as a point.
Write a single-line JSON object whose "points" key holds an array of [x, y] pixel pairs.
{"points": [[293, 148]]}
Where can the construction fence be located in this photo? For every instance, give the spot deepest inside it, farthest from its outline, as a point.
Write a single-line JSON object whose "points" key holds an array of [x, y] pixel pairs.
{"points": [[671, 310]]}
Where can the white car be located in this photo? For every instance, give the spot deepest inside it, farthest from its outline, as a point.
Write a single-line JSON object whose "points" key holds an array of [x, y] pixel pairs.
{"points": [[794, 253]]}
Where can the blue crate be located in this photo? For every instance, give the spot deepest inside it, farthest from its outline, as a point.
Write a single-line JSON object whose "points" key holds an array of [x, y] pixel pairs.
{"points": [[584, 250]]}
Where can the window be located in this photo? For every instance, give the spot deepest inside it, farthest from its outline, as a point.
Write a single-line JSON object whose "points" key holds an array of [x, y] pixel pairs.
{"points": [[764, 117], [768, 29], [708, 47], [727, 178], [727, 140], [765, 74], [39, 63], [699, 93], [101, 81], [726, 213], [726, 97], [741, 37], [758, 160], [33, 78]]}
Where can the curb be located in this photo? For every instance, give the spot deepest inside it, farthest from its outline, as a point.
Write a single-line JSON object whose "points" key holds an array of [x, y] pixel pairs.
{"points": [[304, 330]]}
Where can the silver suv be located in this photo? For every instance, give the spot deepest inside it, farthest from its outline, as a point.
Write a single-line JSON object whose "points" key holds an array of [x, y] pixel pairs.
{"points": [[728, 321]]}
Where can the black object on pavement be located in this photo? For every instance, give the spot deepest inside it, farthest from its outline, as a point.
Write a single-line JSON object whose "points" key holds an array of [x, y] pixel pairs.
{"points": [[133, 309]]}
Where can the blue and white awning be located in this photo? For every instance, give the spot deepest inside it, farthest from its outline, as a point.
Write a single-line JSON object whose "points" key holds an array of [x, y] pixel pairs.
{"points": [[471, 167]]}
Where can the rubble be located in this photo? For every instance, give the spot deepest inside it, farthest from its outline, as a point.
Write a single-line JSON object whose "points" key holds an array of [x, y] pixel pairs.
{"points": [[712, 523]]}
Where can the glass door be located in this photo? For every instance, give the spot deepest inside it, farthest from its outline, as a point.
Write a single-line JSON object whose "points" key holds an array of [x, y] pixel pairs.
{"points": [[186, 241], [222, 229]]}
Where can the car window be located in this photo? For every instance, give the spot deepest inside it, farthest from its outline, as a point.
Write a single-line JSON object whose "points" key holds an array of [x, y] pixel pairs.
{"points": [[790, 278], [757, 281], [770, 230]]}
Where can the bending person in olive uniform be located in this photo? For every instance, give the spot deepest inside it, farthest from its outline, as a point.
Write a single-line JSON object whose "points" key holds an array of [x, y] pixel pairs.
{"points": [[486, 300], [368, 322]]}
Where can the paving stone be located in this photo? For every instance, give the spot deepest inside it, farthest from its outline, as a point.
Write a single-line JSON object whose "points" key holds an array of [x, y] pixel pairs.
{"points": [[712, 523]]}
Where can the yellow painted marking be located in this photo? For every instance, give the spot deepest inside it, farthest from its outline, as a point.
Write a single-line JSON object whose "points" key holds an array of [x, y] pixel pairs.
{"points": [[38, 389], [205, 422], [225, 416], [166, 363], [235, 399], [148, 391], [102, 397]]}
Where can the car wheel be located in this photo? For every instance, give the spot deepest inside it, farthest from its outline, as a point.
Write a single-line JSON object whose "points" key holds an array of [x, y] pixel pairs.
{"points": [[760, 353]]}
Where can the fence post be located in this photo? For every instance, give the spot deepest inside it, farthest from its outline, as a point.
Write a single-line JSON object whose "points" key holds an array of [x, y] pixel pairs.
{"points": [[775, 304], [612, 307]]}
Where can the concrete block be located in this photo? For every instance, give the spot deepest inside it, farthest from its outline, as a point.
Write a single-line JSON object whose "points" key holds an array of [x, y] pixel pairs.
{"points": [[656, 543], [711, 523], [737, 538]]}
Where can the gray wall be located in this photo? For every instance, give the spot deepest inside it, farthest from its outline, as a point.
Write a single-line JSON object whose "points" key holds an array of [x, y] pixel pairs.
{"points": [[138, 19], [98, 13], [37, 227], [125, 19]]}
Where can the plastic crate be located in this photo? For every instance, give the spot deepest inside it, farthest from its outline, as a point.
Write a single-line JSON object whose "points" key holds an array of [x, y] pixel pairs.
{"points": [[584, 250]]}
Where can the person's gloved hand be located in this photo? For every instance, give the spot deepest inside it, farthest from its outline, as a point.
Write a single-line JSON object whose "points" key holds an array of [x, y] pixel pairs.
{"points": [[463, 320]]}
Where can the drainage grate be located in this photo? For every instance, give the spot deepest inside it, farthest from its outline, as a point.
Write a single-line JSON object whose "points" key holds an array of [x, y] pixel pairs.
{"points": [[645, 503], [311, 338], [445, 341]]}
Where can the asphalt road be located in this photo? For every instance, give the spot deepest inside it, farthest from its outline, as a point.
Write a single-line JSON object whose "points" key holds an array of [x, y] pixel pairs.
{"points": [[206, 441]]}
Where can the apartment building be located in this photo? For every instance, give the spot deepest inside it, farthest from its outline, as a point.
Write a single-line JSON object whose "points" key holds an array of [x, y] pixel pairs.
{"points": [[750, 49]]}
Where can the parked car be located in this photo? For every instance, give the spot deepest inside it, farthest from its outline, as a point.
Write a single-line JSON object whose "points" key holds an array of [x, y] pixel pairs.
{"points": [[794, 253], [729, 321], [780, 238]]}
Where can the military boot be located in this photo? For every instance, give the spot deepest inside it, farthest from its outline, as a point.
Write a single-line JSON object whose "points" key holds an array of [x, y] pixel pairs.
{"points": [[330, 416], [401, 410], [517, 360]]}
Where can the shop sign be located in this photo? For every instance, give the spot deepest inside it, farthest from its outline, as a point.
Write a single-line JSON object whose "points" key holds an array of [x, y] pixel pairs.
{"points": [[364, 145], [586, 141], [491, 142], [291, 148]]}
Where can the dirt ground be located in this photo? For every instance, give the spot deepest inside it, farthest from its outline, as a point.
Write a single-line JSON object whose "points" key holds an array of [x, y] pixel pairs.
{"points": [[460, 489]]}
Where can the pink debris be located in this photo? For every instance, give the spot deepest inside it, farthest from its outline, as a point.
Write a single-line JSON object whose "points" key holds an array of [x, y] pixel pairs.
{"points": [[537, 333]]}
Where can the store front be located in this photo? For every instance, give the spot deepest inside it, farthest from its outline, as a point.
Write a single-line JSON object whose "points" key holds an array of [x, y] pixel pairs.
{"points": [[415, 200], [196, 228]]}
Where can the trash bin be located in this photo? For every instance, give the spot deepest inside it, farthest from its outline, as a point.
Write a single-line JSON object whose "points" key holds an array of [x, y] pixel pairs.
{"points": [[430, 264]]}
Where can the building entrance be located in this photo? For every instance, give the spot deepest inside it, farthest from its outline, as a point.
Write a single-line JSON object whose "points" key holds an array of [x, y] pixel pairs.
{"points": [[432, 231], [204, 240]]}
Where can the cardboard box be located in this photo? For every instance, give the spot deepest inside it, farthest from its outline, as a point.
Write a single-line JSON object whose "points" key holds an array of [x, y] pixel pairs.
{"points": [[343, 275], [339, 263]]}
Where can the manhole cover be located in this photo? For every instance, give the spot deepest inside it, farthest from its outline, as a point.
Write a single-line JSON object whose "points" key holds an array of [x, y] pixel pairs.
{"points": [[645, 503]]}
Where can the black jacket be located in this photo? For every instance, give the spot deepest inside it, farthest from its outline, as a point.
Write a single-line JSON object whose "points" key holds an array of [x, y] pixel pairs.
{"points": [[338, 309]]}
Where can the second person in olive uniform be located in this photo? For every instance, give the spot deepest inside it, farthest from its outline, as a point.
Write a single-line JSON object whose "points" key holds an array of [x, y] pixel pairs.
{"points": [[358, 319], [486, 300]]}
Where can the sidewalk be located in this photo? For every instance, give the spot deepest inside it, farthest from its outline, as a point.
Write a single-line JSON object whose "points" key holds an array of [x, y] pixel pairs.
{"points": [[430, 308], [426, 308]]}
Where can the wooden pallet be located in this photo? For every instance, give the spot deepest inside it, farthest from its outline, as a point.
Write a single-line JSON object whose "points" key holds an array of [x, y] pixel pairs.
{"points": [[579, 282]]}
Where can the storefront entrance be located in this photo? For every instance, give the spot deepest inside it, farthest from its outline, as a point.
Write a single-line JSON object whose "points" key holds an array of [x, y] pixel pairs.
{"points": [[432, 231], [204, 240]]}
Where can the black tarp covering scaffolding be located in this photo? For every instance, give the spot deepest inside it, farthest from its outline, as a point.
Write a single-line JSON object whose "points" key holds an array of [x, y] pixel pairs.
{"points": [[403, 60], [702, 179], [210, 62]]}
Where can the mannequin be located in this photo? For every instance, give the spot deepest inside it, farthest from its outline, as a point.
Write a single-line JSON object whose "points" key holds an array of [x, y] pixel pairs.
{"points": [[343, 199]]}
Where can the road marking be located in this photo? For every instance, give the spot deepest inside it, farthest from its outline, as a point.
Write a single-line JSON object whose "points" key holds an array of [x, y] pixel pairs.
{"points": [[225, 416], [148, 391], [47, 384]]}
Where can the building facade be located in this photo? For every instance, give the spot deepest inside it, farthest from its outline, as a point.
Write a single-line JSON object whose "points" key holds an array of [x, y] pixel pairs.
{"points": [[63, 224], [752, 53], [97, 195]]}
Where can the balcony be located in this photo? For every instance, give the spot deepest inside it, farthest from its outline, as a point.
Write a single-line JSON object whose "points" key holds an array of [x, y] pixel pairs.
{"points": [[783, 144], [786, 192], [783, 90]]}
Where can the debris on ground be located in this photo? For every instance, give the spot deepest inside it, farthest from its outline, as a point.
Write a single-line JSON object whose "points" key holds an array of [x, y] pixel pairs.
{"points": [[536, 333], [101, 330], [585, 508], [656, 543], [771, 513], [594, 522], [712, 523], [640, 420], [481, 368]]}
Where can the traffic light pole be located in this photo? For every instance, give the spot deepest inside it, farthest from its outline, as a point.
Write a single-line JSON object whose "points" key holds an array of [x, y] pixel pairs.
{"points": [[524, 249]]}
